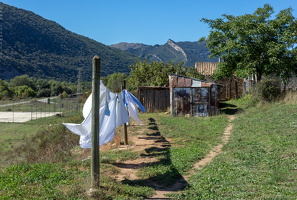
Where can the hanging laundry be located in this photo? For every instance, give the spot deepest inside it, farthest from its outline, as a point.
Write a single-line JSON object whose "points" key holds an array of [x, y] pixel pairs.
{"points": [[113, 113], [131, 101]]}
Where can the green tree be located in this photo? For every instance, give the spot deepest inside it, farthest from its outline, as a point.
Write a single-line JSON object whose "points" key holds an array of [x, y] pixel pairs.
{"points": [[5, 91], [254, 44], [42, 88], [115, 81], [22, 80], [42, 84], [145, 73], [56, 88], [25, 91]]}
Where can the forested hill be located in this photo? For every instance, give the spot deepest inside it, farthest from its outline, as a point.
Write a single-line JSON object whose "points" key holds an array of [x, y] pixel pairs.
{"points": [[42, 48], [187, 52]]}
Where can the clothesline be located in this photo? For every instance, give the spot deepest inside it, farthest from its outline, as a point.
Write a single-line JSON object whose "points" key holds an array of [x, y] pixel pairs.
{"points": [[115, 109]]}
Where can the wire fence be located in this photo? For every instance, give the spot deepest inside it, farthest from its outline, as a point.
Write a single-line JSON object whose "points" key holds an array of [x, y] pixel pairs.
{"points": [[25, 110]]}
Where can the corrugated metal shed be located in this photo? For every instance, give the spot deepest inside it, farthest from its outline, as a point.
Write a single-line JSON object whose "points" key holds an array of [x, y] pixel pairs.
{"points": [[192, 96]]}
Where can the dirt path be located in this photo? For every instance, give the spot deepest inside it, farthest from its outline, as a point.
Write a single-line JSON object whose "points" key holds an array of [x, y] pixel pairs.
{"points": [[217, 149], [155, 142]]}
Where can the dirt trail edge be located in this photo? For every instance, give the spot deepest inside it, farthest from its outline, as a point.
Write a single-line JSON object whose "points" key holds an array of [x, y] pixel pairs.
{"points": [[216, 150], [128, 169]]}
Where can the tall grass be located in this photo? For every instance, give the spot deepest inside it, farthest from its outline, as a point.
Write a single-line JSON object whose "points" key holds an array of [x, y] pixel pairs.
{"points": [[290, 97], [45, 141]]}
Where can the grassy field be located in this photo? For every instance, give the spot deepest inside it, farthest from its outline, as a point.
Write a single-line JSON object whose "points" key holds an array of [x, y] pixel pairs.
{"points": [[191, 144], [259, 161], [18, 133], [190, 140]]}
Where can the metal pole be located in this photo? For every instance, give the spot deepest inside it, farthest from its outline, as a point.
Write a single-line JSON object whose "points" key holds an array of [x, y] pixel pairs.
{"points": [[125, 125], [95, 122]]}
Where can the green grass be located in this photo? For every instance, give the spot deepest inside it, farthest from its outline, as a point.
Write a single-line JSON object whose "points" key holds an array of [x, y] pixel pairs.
{"points": [[190, 142], [61, 181], [191, 139], [11, 134], [196, 135], [112, 156], [14, 134], [259, 162], [45, 140], [40, 180]]}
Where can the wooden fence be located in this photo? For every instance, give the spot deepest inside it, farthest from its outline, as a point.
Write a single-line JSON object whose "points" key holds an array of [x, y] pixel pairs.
{"points": [[154, 99]]}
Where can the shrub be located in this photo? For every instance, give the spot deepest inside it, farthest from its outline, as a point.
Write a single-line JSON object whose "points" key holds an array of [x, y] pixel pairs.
{"points": [[268, 90]]}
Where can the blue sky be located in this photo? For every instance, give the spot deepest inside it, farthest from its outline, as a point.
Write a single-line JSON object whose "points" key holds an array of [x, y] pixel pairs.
{"points": [[142, 21]]}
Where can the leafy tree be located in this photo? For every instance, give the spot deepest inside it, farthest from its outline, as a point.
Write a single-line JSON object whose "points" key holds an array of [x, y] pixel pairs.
{"points": [[24, 86], [56, 88], [22, 80], [43, 92], [254, 44], [145, 73], [42, 84], [25, 91], [5, 91], [115, 81]]}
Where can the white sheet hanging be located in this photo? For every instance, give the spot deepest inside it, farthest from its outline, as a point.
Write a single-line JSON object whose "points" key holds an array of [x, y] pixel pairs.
{"points": [[112, 114]]}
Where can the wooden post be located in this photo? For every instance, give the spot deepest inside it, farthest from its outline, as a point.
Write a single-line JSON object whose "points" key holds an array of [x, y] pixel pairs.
{"points": [[95, 123], [125, 125], [236, 90]]}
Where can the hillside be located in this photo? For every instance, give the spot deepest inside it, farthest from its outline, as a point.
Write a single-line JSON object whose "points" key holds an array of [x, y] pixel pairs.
{"points": [[187, 52], [42, 48]]}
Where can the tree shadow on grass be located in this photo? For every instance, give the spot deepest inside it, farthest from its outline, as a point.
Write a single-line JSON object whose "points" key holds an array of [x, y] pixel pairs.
{"points": [[171, 180], [229, 109]]}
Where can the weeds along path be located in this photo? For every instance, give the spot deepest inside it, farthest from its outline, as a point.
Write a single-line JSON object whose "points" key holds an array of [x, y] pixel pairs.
{"points": [[153, 142]]}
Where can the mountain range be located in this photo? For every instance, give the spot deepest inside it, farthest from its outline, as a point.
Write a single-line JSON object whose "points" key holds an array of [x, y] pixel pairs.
{"points": [[186, 52], [33, 45]]}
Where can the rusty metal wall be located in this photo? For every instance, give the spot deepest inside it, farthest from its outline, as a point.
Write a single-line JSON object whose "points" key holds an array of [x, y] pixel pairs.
{"points": [[154, 99], [199, 102], [193, 97]]}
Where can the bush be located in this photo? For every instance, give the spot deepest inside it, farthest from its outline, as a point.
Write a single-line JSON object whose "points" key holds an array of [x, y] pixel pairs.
{"points": [[268, 90]]}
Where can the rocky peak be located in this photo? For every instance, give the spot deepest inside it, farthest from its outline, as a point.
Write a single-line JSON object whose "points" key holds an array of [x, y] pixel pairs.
{"points": [[173, 45]]}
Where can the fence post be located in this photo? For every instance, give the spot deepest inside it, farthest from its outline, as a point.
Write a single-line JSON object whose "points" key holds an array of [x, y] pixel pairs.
{"points": [[13, 111], [95, 122], [31, 111], [125, 125]]}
